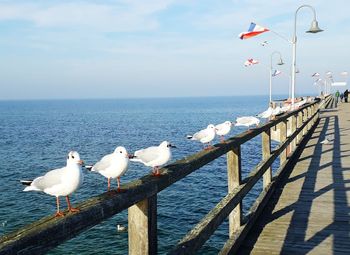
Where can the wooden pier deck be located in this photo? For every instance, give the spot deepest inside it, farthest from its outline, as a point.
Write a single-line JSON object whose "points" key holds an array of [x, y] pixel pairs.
{"points": [[310, 213]]}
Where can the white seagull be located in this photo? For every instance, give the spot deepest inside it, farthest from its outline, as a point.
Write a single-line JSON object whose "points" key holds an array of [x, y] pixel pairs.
{"points": [[300, 103], [112, 166], [204, 136], [286, 108], [223, 129], [247, 121], [60, 182], [277, 111], [266, 114], [154, 156]]}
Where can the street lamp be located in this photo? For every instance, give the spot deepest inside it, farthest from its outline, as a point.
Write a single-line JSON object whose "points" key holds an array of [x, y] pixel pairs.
{"points": [[313, 29], [279, 63]]}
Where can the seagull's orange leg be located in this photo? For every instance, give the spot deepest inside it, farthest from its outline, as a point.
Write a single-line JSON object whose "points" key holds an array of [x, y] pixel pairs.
{"points": [[58, 213], [70, 208], [119, 189], [109, 184], [155, 171]]}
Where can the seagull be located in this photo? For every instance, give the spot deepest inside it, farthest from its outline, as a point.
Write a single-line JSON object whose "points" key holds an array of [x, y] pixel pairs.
{"points": [[247, 121], [264, 43], [204, 136], [300, 103], [326, 141], [277, 111], [60, 182], [266, 114], [154, 156], [112, 166], [286, 108], [223, 129], [121, 228]]}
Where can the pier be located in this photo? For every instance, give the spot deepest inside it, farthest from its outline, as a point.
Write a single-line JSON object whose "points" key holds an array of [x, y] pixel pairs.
{"points": [[303, 206], [309, 214]]}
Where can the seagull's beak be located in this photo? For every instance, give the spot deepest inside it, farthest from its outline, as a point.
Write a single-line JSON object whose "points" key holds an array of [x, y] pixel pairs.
{"points": [[172, 146], [81, 162], [131, 156]]}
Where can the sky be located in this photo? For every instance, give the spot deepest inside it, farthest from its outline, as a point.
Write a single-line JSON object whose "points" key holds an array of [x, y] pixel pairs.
{"points": [[60, 49]]}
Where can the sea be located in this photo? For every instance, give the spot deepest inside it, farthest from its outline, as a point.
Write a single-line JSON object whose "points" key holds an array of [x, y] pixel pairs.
{"points": [[36, 136]]}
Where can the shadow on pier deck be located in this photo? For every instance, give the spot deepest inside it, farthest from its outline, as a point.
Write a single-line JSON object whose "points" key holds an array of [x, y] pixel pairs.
{"points": [[309, 213]]}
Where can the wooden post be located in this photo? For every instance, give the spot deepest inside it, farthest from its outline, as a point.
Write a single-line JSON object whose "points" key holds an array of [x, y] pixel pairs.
{"points": [[299, 124], [266, 152], [308, 117], [234, 180], [142, 227], [304, 120], [293, 126], [283, 136]]}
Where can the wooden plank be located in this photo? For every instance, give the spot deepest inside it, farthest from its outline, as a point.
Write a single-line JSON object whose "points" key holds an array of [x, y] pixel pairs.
{"points": [[234, 177]]}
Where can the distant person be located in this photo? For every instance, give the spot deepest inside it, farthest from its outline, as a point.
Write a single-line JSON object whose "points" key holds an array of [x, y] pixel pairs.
{"points": [[337, 94], [346, 94], [341, 97]]}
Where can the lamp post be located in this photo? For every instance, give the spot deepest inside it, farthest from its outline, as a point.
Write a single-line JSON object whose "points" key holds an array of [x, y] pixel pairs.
{"points": [[313, 29], [279, 63]]}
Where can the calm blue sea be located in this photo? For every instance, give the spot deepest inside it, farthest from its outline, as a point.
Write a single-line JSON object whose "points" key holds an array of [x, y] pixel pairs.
{"points": [[35, 136]]}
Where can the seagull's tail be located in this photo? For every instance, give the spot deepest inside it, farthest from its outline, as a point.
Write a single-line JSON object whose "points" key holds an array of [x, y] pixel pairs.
{"points": [[135, 159], [28, 184], [189, 137], [89, 168]]}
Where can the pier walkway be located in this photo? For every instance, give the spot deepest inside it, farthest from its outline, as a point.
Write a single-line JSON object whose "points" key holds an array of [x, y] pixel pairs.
{"points": [[309, 212]]}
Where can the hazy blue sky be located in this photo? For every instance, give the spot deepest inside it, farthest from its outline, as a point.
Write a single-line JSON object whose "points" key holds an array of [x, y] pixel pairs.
{"points": [[111, 49]]}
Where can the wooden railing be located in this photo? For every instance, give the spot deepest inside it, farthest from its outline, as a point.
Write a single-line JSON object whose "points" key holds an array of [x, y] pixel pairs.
{"points": [[140, 197]]}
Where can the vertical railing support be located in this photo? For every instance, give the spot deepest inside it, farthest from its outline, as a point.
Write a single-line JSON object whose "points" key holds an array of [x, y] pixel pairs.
{"points": [[299, 124], [234, 180], [293, 126], [266, 152], [304, 120], [309, 116], [142, 227], [283, 136]]}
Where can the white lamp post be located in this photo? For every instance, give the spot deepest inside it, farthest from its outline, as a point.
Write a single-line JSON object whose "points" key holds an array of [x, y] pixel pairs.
{"points": [[313, 29], [279, 63]]}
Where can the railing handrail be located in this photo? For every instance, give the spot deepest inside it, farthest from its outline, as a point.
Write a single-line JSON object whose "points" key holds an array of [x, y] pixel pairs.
{"points": [[98, 208]]}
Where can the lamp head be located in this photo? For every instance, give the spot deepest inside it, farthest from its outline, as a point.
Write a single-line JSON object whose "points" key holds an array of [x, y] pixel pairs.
{"points": [[314, 27]]}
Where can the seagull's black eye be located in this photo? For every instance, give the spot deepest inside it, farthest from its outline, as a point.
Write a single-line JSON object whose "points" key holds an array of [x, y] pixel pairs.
{"points": [[72, 156], [120, 152]]}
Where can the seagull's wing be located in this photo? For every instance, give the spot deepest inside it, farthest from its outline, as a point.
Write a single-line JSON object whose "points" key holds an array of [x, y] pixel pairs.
{"points": [[200, 134], [266, 113], [147, 155], [50, 179], [220, 126], [243, 120], [103, 164]]}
